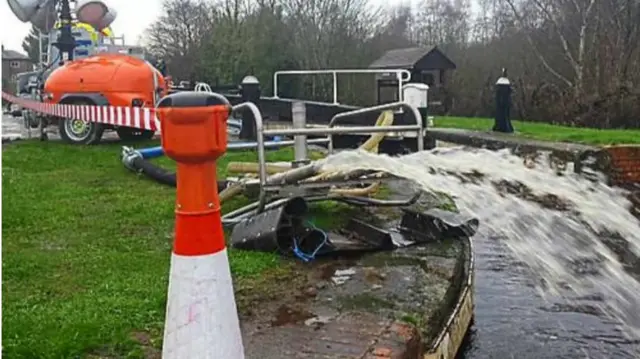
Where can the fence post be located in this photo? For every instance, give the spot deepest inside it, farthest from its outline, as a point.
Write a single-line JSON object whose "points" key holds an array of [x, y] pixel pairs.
{"points": [[201, 319], [503, 105], [250, 92], [299, 120]]}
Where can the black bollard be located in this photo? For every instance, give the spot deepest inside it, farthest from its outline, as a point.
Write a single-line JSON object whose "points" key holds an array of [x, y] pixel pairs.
{"points": [[503, 105], [250, 92]]}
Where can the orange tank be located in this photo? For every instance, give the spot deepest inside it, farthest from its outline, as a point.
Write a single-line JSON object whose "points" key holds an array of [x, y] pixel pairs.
{"points": [[120, 79]]}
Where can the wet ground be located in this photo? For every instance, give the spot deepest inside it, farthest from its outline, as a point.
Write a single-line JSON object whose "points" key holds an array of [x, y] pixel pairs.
{"points": [[13, 129], [357, 309]]}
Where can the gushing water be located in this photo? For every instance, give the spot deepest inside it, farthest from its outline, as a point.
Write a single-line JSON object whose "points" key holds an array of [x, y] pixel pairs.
{"points": [[576, 235]]}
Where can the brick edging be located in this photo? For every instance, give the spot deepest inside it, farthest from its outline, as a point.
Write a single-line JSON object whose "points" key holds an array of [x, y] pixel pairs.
{"points": [[624, 164]]}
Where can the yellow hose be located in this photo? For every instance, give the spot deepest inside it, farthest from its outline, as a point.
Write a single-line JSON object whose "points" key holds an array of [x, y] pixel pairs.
{"points": [[357, 191], [371, 145], [231, 191]]}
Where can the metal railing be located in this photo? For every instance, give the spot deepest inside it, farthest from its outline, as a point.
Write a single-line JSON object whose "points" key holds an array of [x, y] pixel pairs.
{"points": [[262, 168], [261, 133], [401, 75], [202, 87], [418, 127]]}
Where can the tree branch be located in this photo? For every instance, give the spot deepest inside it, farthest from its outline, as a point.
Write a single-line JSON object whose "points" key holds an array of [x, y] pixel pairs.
{"points": [[543, 60]]}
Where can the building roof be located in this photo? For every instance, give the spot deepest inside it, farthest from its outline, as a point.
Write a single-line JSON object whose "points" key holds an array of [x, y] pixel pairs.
{"points": [[13, 55], [407, 58], [400, 57]]}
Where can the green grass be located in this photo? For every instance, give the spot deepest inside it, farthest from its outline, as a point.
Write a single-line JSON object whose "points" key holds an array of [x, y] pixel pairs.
{"points": [[547, 132], [86, 247]]}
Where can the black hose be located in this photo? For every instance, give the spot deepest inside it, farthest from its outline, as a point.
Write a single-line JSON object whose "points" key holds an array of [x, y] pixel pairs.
{"points": [[160, 174]]}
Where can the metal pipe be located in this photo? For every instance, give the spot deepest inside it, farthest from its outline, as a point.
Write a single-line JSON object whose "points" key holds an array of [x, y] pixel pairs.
{"points": [[406, 73], [379, 108], [400, 94], [335, 88], [299, 119], [273, 144], [275, 84], [341, 130], [257, 116], [157, 151], [241, 213]]}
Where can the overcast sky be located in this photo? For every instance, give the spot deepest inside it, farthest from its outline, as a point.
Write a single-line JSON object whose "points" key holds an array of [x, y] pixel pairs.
{"points": [[134, 16]]}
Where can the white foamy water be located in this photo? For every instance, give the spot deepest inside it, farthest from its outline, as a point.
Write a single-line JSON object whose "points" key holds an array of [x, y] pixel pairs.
{"points": [[566, 248]]}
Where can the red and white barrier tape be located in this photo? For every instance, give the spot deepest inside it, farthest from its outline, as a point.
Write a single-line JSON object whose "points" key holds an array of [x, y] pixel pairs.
{"points": [[137, 117]]}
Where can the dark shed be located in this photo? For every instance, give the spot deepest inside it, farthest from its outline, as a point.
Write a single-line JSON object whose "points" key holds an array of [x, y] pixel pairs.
{"points": [[427, 65]]}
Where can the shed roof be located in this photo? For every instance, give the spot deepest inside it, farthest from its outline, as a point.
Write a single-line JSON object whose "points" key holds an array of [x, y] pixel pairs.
{"points": [[407, 58]]}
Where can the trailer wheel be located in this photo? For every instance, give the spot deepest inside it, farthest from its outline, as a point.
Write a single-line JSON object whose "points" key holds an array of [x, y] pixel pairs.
{"points": [[76, 131], [134, 134]]}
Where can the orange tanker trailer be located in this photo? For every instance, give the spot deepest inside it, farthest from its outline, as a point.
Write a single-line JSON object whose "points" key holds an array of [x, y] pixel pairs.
{"points": [[84, 66], [107, 79]]}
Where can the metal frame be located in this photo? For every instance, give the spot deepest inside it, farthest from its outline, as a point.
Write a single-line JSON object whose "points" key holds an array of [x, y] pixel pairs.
{"points": [[257, 116], [261, 133], [401, 75], [202, 87], [418, 128]]}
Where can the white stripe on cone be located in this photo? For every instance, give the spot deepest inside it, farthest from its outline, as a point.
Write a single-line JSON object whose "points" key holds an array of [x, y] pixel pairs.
{"points": [[202, 318]]}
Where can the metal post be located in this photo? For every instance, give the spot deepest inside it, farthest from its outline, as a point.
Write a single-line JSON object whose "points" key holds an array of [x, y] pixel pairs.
{"points": [[399, 78], [41, 64], [66, 43], [257, 116], [335, 87], [299, 117], [275, 85]]}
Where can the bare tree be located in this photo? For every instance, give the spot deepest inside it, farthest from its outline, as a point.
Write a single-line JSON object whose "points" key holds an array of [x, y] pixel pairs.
{"points": [[556, 14], [179, 34], [572, 61]]}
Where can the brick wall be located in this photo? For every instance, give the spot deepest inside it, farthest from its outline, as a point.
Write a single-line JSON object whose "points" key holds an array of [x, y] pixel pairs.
{"points": [[625, 164]]}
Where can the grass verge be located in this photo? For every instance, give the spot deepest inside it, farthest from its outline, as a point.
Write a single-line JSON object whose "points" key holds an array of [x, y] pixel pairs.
{"points": [[86, 248], [547, 132]]}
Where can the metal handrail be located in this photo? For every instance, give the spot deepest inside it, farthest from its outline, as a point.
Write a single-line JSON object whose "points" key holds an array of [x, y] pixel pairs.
{"points": [[202, 87], [261, 133], [418, 127], [262, 168], [401, 75]]}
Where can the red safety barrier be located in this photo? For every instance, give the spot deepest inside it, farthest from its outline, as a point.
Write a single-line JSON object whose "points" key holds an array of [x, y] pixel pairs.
{"points": [[137, 117]]}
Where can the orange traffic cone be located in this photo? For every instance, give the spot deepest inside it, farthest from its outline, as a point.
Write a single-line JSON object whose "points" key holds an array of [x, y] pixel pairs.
{"points": [[202, 318]]}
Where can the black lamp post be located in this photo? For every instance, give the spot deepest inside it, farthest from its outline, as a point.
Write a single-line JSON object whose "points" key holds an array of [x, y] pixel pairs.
{"points": [[66, 43]]}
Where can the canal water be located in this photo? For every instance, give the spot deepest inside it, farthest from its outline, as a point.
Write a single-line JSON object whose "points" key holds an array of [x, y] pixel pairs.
{"points": [[557, 255]]}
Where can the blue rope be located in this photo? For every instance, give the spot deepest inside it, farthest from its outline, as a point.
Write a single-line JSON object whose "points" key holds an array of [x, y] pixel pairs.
{"points": [[309, 257]]}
